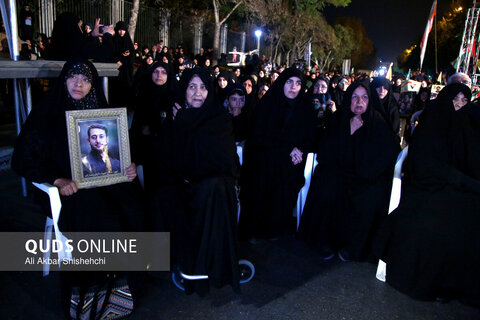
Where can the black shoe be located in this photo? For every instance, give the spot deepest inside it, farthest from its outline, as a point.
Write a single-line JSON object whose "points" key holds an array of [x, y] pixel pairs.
{"points": [[326, 253], [344, 256]]}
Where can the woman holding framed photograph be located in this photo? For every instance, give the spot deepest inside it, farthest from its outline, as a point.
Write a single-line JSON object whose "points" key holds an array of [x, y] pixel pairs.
{"points": [[42, 155]]}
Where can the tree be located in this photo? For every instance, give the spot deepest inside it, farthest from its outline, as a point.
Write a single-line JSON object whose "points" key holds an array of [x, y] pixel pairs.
{"points": [[133, 19], [291, 24], [218, 23], [363, 48]]}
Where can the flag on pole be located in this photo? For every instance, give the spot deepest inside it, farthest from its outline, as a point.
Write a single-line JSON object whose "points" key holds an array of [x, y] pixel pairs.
{"points": [[439, 79], [473, 51], [390, 72], [428, 28], [409, 74]]}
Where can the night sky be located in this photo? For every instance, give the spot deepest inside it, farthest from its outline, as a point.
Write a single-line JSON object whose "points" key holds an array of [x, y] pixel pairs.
{"points": [[392, 25]]}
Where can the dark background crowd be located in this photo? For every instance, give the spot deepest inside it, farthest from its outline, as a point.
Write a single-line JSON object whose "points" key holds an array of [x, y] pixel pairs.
{"points": [[188, 119]]}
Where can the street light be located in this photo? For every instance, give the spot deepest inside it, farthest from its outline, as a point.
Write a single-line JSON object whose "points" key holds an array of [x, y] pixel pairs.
{"points": [[258, 34]]}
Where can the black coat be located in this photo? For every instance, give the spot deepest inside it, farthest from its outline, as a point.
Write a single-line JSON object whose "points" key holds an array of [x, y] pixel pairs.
{"points": [[270, 181], [431, 241], [68, 42], [196, 167], [42, 155], [388, 107], [350, 188]]}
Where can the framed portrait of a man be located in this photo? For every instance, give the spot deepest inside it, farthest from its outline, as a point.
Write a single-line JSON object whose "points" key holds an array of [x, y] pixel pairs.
{"points": [[99, 146]]}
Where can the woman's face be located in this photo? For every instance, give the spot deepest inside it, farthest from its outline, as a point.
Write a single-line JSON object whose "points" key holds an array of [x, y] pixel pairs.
{"points": [[247, 84], [382, 92], [292, 87], [359, 101], [149, 60], [196, 92], [121, 32], [237, 72], [222, 82], [262, 93], [459, 101], [320, 87], [159, 76], [424, 96], [343, 85], [261, 74], [78, 86]]}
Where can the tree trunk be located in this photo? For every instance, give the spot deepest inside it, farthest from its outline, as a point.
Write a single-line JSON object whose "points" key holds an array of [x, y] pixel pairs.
{"points": [[276, 48], [218, 24], [288, 57], [216, 42], [133, 19]]}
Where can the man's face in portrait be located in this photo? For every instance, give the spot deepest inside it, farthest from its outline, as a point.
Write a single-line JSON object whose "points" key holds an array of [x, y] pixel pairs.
{"points": [[98, 139]]}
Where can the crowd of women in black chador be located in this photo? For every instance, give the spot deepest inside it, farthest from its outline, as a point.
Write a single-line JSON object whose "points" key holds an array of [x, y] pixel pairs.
{"points": [[184, 134]]}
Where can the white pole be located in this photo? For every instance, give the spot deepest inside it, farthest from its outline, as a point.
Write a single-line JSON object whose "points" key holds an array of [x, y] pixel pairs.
{"points": [[105, 87], [15, 54]]}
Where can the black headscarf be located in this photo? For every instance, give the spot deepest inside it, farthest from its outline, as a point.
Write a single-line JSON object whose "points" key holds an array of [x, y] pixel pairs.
{"points": [[44, 134], [199, 142], [418, 104], [155, 102], [388, 105], [219, 91], [337, 93], [250, 99], [445, 148], [121, 45], [60, 98], [275, 110], [374, 147], [68, 41], [323, 97]]}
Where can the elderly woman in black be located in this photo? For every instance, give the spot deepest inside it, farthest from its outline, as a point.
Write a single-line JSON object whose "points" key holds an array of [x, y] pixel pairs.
{"points": [[195, 199], [42, 155], [282, 133], [431, 242], [350, 188]]}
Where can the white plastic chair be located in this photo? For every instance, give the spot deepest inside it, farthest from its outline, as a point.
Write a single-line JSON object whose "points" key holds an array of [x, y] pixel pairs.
{"points": [[240, 157], [52, 224], [240, 152], [310, 165], [394, 201]]}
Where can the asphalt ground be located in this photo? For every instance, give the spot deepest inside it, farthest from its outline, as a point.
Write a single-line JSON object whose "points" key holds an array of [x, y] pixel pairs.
{"points": [[290, 283]]}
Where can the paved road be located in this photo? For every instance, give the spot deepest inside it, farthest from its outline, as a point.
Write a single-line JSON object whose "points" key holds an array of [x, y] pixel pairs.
{"points": [[290, 283]]}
